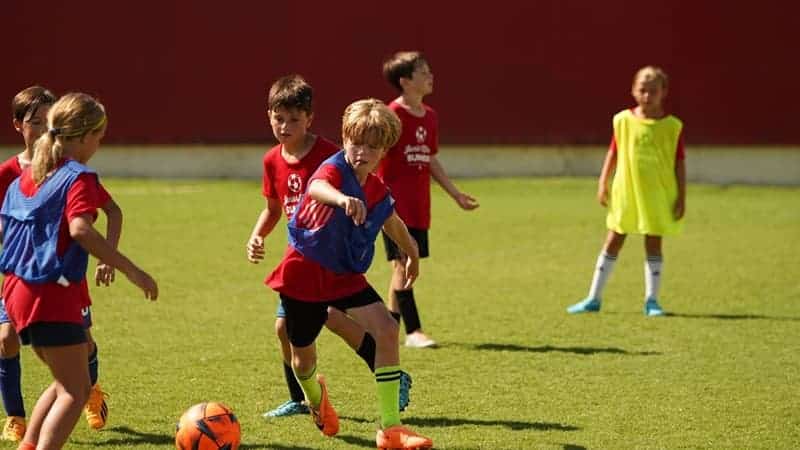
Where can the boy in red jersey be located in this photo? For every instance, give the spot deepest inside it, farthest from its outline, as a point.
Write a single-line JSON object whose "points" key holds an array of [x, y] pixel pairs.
{"points": [[407, 170], [287, 167], [50, 209], [332, 239]]}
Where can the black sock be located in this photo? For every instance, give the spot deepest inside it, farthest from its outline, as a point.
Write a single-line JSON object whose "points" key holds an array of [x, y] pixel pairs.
{"points": [[395, 316], [367, 351], [93, 366], [408, 308], [295, 391]]}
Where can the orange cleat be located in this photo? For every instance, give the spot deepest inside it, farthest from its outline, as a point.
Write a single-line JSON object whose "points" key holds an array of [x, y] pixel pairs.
{"points": [[96, 409], [14, 429], [399, 437], [324, 415]]}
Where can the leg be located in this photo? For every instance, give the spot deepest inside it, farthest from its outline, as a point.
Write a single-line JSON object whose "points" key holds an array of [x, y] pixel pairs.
{"points": [[405, 301], [602, 271], [96, 409], [71, 388], [10, 383], [652, 275], [295, 403]]}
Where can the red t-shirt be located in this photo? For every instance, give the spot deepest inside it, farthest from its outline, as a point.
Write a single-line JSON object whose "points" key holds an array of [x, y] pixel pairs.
{"points": [[406, 167], [304, 279], [27, 303], [287, 181], [9, 171]]}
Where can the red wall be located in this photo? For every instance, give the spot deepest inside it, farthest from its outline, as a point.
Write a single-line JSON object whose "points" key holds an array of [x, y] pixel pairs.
{"points": [[535, 71]]}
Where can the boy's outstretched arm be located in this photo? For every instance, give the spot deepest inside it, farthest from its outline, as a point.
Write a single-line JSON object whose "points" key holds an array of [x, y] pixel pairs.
{"points": [[463, 200], [680, 174], [323, 192], [264, 225], [104, 273], [609, 166], [397, 230]]}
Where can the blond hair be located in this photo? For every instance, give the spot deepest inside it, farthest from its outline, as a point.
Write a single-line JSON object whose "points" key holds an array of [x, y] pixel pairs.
{"points": [[370, 122], [652, 73], [73, 116]]}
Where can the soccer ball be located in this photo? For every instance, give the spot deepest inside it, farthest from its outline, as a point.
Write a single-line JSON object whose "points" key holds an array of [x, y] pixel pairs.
{"points": [[208, 426]]}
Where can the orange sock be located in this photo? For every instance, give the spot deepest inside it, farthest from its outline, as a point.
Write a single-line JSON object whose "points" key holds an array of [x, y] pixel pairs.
{"points": [[26, 446]]}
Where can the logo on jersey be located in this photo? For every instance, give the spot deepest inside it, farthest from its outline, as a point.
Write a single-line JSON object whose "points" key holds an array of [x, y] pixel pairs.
{"points": [[295, 183], [422, 134]]}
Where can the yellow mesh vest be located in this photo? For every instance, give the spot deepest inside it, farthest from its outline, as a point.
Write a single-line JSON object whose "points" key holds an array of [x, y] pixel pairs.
{"points": [[645, 187]]}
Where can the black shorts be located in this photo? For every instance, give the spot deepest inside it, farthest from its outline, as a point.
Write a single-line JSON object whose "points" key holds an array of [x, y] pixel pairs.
{"points": [[419, 235], [52, 334], [304, 320]]}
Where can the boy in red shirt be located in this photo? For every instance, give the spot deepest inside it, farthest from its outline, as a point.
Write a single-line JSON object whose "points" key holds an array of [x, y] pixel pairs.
{"points": [[332, 238], [287, 167], [407, 170]]}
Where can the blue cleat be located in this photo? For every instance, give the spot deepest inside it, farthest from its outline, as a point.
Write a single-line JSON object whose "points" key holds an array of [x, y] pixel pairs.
{"points": [[289, 408], [652, 308], [584, 306], [405, 388]]}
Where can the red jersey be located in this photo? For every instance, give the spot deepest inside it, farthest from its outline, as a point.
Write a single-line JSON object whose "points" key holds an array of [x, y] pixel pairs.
{"points": [[9, 171], [27, 303], [287, 181], [406, 167], [303, 279]]}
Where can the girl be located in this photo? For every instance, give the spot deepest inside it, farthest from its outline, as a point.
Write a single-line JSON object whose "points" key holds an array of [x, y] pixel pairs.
{"points": [[51, 207], [648, 194]]}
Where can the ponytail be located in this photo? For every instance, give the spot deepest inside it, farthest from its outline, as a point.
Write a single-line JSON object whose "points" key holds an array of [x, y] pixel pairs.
{"points": [[47, 151]]}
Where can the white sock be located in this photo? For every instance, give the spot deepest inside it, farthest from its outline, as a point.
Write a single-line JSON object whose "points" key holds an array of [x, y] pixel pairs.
{"points": [[652, 276], [605, 264]]}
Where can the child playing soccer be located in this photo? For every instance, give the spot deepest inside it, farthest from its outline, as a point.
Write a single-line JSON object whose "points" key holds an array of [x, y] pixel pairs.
{"points": [[332, 236], [407, 171], [29, 114], [287, 167], [50, 208], [648, 194]]}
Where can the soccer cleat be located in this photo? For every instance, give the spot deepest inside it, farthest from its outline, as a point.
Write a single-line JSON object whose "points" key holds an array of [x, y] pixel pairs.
{"points": [[14, 429], [652, 308], [96, 409], [324, 415], [584, 306], [405, 388], [419, 340], [401, 438], [288, 408]]}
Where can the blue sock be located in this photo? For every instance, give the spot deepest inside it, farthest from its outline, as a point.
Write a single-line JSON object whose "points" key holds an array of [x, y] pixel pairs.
{"points": [[93, 366], [10, 386]]}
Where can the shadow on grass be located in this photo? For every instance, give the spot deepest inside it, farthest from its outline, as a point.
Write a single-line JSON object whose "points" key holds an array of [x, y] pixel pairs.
{"points": [[550, 348], [572, 447], [732, 317], [515, 425], [133, 437]]}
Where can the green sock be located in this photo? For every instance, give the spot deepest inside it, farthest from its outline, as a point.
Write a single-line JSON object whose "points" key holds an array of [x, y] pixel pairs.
{"points": [[388, 379], [311, 387]]}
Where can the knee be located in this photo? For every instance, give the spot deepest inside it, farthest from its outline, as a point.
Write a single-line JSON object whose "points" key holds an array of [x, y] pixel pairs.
{"points": [[9, 342], [280, 329], [386, 333]]}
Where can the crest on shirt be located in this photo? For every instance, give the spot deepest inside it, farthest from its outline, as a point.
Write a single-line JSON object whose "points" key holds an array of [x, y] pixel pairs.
{"points": [[295, 183], [422, 133]]}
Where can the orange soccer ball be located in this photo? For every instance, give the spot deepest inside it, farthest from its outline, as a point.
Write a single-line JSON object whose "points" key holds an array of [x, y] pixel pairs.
{"points": [[208, 426]]}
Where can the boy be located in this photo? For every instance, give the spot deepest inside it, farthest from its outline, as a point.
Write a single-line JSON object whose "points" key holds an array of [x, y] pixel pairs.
{"points": [[332, 238], [407, 170], [287, 167]]}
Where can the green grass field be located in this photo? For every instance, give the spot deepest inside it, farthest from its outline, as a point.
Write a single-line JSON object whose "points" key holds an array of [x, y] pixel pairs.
{"points": [[513, 371]]}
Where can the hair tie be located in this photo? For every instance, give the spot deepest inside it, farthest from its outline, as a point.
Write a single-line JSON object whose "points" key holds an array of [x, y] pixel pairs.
{"points": [[54, 131]]}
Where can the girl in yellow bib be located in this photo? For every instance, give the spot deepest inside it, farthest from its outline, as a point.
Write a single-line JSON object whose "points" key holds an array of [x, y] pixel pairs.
{"points": [[648, 192]]}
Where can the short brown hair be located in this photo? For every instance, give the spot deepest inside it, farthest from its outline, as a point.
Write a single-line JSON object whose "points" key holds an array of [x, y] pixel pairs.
{"points": [[291, 91], [649, 73], [401, 65], [25, 104], [370, 122]]}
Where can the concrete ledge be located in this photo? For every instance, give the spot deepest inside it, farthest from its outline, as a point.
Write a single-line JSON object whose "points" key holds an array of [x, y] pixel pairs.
{"points": [[716, 165]]}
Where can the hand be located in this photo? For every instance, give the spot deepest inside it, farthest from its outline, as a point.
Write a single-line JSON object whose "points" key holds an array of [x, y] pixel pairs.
{"points": [[602, 195], [680, 208], [411, 271], [466, 202], [255, 249], [145, 282], [354, 208], [103, 274]]}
